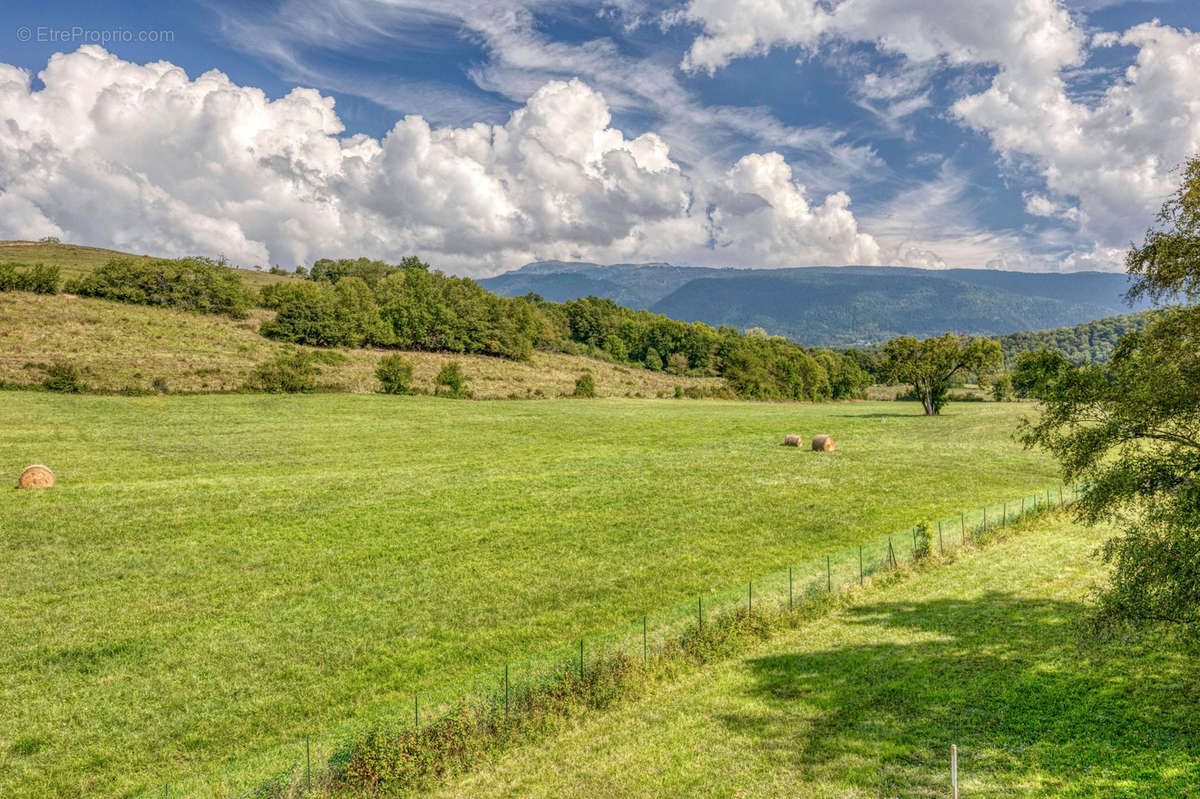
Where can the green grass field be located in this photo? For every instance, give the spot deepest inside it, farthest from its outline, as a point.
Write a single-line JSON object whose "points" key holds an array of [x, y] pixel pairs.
{"points": [[983, 653], [215, 575]]}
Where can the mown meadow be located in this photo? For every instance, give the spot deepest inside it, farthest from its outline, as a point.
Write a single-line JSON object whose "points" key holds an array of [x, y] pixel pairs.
{"points": [[988, 653], [214, 575]]}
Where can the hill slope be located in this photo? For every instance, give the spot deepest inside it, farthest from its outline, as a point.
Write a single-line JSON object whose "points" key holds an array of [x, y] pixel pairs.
{"points": [[74, 260], [137, 348], [866, 702], [836, 306]]}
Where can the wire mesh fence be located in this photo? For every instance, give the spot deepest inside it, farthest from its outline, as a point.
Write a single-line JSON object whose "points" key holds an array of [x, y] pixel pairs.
{"points": [[298, 768]]}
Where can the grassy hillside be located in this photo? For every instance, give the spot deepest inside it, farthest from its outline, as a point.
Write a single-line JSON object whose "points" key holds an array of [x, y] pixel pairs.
{"points": [[983, 653], [217, 574], [75, 259], [121, 347]]}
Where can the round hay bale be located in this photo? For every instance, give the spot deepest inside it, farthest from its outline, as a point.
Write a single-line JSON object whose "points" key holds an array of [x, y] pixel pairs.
{"points": [[793, 441], [36, 476], [823, 443]]}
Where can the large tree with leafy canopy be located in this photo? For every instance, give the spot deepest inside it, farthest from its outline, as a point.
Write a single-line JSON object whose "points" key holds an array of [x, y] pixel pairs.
{"points": [[1129, 430], [931, 364]]}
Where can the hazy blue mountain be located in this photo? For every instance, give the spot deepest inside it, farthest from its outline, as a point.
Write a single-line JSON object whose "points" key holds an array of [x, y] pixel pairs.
{"points": [[827, 306]]}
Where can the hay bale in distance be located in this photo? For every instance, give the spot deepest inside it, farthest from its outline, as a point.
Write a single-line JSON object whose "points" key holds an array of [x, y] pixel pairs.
{"points": [[36, 476], [793, 441], [823, 443]]}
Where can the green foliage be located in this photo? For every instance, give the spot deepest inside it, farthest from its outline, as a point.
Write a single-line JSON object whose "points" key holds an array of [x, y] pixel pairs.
{"points": [[371, 272], [931, 364], [292, 371], [395, 374], [923, 540], [194, 284], [1002, 387], [1129, 430], [585, 387], [451, 378], [1084, 343], [324, 315], [64, 378], [411, 307], [427, 310], [39, 278], [1166, 266]]}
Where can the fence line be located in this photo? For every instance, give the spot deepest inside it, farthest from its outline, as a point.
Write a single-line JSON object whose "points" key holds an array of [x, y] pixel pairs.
{"points": [[281, 769]]}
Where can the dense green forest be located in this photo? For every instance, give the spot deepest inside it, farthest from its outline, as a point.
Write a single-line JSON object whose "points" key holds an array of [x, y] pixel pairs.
{"points": [[1090, 342]]}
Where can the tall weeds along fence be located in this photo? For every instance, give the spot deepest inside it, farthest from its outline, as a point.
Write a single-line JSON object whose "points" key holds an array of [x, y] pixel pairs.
{"points": [[296, 769]]}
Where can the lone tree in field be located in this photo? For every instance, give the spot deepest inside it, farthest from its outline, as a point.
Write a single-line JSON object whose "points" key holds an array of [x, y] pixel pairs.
{"points": [[930, 364], [1129, 430]]}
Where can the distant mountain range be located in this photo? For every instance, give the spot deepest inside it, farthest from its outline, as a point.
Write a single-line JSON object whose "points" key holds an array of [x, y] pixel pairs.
{"points": [[836, 306]]}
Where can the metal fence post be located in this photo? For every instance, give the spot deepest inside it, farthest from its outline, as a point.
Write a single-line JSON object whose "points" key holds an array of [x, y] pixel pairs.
{"points": [[643, 640], [506, 690], [860, 565], [581, 660], [166, 791], [962, 517], [417, 709], [828, 576], [1004, 522], [700, 612], [790, 588]]}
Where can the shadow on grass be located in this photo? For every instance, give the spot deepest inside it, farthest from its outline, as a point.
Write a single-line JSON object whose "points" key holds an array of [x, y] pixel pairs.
{"points": [[1034, 706]]}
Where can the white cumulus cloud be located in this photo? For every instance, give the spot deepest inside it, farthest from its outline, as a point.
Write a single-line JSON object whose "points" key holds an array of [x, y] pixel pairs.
{"points": [[1106, 159], [144, 158]]}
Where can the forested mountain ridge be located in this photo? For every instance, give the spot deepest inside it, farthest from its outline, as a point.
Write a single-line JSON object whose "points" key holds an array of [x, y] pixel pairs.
{"points": [[836, 306]]}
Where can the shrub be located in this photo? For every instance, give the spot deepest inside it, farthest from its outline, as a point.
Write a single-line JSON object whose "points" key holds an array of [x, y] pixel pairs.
{"points": [[451, 378], [677, 364], [64, 378], [395, 373], [1002, 387], [193, 284], [40, 279], [320, 315], [585, 387], [291, 372], [653, 360], [923, 541]]}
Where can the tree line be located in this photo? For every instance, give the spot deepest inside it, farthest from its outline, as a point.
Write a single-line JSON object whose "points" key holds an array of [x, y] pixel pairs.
{"points": [[411, 306]]}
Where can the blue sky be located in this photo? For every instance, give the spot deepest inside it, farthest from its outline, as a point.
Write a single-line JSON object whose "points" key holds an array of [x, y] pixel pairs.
{"points": [[1021, 134]]}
